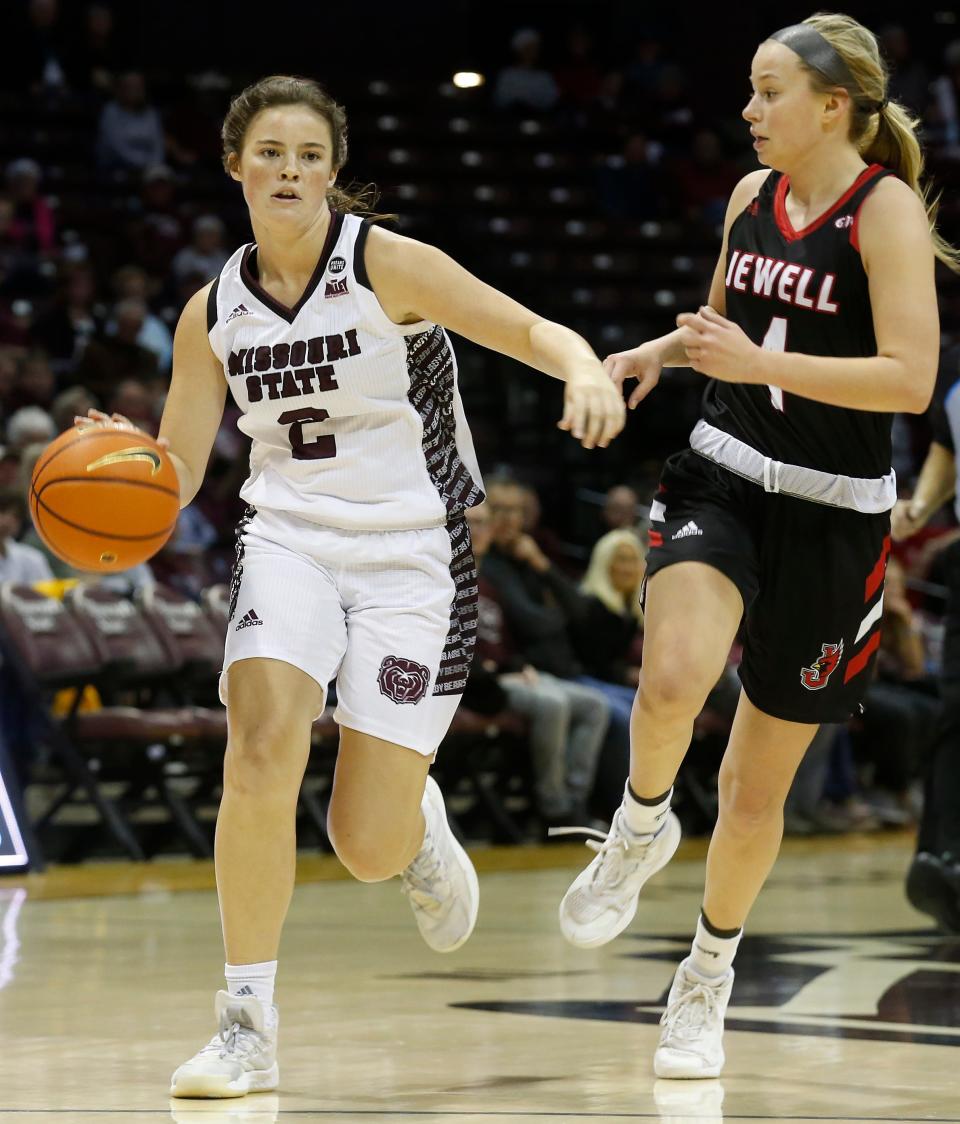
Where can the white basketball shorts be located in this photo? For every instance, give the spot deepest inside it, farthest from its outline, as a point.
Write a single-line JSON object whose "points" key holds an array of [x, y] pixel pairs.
{"points": [[391, 615]]}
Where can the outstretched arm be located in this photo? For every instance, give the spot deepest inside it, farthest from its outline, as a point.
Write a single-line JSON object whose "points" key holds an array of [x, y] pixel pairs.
{"points": [[645, 362], [414, 281]]}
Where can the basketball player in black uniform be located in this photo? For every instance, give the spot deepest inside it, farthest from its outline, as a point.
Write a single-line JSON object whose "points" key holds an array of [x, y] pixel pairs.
{"points": [[821, 322], [933, 879]]}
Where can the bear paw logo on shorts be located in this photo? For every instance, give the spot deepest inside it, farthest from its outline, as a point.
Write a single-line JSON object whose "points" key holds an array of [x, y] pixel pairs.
{"points": [[816, 675], [403, 680]]}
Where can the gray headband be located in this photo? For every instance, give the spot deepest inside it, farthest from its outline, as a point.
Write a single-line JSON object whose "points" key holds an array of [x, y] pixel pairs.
{"points": [[819, 54]]}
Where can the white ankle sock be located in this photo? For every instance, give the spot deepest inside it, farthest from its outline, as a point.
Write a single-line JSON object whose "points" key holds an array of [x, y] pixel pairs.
{"points": [[712, 956], [644, 819], [252, 979]]}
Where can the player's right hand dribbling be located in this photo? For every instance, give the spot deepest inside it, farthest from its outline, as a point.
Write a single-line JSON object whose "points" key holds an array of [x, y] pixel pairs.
{"points": [[642, 363], [98, 419]]}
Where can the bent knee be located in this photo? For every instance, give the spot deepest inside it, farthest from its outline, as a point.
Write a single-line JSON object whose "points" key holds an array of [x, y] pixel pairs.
{"points": [[678, 685], [367, 860], [747, 806]]}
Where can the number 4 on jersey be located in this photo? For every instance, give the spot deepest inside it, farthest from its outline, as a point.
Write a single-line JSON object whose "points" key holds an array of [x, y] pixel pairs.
{"points": [[776, 340]]}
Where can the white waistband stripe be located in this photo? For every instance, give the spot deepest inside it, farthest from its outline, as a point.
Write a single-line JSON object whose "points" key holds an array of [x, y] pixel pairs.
{"points": [[868, 495]]}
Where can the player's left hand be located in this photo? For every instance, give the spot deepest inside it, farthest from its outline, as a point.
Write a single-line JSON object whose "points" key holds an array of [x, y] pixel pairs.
{"points": [[719, 348], [593, 409]]}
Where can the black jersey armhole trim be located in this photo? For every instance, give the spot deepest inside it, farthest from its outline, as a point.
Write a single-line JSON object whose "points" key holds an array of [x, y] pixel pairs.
{"points": [[359, 256], [212, 304]]}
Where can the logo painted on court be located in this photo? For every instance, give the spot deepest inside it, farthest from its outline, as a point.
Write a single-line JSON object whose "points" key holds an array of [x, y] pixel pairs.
{"points": [[882, 986], [816, 675], [404, 681]]}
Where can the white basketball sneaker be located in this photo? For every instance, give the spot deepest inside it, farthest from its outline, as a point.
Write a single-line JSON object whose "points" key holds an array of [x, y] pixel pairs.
{"points": [[441, 882], [691, 1042], [241, 1057], [602, 900]]}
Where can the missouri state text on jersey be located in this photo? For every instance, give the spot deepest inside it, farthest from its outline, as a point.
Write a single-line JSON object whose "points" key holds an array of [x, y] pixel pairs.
{"points": [[292, 369], [355, 422]]}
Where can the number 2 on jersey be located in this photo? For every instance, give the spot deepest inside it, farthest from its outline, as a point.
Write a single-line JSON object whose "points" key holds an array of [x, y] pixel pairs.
{"points": [[321, 448], [776, 340]]}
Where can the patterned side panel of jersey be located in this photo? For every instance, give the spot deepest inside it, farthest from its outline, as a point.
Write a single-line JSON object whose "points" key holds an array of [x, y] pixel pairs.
{"points": [[461, 638], [431, 393]]}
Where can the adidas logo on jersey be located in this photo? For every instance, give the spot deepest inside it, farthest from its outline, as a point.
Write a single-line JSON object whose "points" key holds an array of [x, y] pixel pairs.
{"points": [[843, 223], [240, 310], [687, 530], [336, 288], [248, 620]]}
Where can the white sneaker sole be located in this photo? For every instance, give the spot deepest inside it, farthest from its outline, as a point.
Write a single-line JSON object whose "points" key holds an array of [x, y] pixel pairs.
{"points": [[586, 936], [203, 1085], [672, 1064], [474, 888]]}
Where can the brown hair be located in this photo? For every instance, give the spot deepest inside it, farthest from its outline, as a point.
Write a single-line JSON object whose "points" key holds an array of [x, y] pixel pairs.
{"points": [[282, 89], [883, 131]]}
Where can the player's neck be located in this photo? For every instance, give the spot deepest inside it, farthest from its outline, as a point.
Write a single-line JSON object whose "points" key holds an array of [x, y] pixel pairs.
{"points": [[288, 256], [822, 178]]}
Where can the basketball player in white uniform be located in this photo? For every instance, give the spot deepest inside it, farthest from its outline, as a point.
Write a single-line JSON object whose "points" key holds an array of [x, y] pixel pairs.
{"points": [[354, 561]]}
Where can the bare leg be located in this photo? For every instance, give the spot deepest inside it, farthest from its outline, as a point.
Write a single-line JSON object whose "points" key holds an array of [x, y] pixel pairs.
{"points": [[691, 620], [375, 822], [270, 707], [758, 768]]}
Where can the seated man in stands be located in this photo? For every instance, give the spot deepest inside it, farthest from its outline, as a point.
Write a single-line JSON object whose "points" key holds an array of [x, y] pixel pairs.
{"points": [[567, 722], [18, 562]]}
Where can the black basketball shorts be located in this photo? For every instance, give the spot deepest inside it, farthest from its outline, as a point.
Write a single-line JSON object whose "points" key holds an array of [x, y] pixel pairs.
{"points": [[811, 578]]}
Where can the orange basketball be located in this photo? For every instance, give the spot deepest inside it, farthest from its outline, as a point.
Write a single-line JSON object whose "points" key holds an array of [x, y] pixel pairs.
{"points": [[104, 499]]}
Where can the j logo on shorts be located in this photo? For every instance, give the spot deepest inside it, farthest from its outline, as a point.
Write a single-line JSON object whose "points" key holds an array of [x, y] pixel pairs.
{"points": [[815, 677], [403, 680]]}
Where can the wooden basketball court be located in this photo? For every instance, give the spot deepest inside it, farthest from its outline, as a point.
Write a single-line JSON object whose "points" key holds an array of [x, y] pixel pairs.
{"points": [[845, 1007]]}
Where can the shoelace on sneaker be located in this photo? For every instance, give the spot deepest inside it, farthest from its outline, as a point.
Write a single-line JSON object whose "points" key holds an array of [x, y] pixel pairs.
{"points": [[687, 1015], [613, 852], [424, 877], [233, 1041]]}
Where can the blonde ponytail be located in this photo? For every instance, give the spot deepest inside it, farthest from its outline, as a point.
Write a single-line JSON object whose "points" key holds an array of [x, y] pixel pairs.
{"points": [[883, 131]]}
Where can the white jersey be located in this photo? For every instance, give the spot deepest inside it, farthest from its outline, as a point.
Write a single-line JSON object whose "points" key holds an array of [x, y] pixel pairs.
{"points": [[356, 422]]}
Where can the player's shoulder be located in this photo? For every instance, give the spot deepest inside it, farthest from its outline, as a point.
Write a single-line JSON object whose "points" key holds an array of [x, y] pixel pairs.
{"points": [[196, 309], [391, 256], [892, 205], [388, 246], [890, 195], [748, 188]]}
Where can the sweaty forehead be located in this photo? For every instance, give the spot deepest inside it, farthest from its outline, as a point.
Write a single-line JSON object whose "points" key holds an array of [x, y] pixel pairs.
{"points": [[776, 60]]}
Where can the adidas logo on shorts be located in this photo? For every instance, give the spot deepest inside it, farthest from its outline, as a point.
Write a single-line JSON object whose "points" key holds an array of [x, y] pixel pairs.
{"points": [[248, 620], [687, 530]]}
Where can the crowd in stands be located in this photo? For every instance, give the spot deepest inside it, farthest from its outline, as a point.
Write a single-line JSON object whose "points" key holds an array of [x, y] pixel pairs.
{"points": [[114, 210]]}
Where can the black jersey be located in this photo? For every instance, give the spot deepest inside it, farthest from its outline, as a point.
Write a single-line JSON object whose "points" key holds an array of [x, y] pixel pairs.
{"points": [[804, 291]]}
